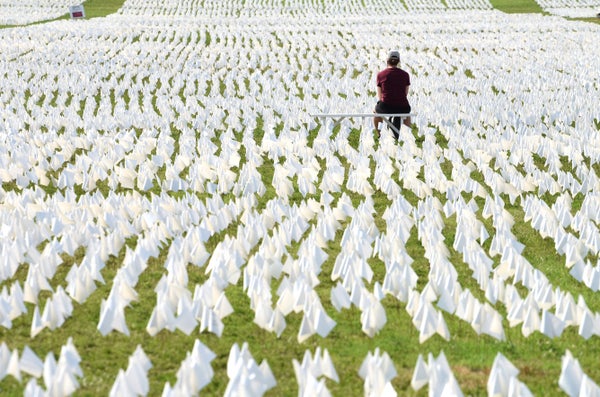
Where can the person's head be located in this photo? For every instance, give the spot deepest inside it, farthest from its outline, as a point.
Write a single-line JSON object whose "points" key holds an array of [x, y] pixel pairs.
{"points": [[393, 58]]}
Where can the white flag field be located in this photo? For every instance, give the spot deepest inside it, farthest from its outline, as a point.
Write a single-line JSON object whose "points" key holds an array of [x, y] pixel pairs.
{"points": [[175, 222]]}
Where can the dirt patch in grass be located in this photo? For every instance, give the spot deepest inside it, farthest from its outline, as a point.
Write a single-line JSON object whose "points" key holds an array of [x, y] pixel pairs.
{"points": [[471, 380]]}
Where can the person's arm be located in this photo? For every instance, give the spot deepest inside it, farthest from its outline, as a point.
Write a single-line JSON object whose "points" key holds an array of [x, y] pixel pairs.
{"points": [[379, 93], [407, 87]]}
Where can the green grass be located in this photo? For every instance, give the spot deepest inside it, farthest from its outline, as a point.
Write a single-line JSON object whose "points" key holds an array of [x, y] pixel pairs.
{"points": [[592, 20], [470, 355], [101, 8], [519, 6]]}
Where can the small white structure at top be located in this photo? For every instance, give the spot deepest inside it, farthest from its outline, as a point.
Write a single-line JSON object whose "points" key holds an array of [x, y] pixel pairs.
{"points": [[77, 11]]}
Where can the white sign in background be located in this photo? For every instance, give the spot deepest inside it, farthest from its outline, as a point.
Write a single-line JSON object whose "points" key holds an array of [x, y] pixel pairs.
{"points": [[77, 11]]}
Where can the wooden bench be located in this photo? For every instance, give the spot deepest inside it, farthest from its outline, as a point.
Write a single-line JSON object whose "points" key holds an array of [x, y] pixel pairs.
{"points": [[386, 117]]}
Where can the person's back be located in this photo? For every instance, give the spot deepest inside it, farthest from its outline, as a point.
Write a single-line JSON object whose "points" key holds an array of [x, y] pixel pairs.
{"points": [[394, 82]]}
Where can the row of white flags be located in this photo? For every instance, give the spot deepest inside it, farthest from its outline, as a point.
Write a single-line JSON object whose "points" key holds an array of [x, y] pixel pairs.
{"points": [[136, 97], [544, 308], [166, 218], [247, 377], [17, 12], [22, 12]]}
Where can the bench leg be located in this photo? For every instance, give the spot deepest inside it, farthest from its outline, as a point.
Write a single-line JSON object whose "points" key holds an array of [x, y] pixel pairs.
{"points": [[395, 130]]}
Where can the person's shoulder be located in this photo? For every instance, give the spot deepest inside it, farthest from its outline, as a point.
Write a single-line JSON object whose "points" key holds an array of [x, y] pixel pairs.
{"points": [[383, 73], [403, 72]]}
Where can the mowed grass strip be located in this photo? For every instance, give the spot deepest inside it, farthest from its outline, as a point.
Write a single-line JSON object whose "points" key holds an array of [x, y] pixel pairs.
{"points": [[513, 7]]}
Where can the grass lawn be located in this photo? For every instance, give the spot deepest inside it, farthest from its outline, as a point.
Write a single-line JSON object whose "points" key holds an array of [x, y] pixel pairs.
{"points": [[469, 354], [520, 6], [101, 8]]}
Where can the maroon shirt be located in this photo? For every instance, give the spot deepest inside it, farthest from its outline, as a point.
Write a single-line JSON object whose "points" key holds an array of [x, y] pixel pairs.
{"points": [[393, 83]]}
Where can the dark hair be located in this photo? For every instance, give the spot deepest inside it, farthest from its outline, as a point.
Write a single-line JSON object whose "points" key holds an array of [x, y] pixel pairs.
{"points": [[393, 61]]}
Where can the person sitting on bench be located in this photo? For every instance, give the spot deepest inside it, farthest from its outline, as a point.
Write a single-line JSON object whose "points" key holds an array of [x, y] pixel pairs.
{"points": [[392, 92]]}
